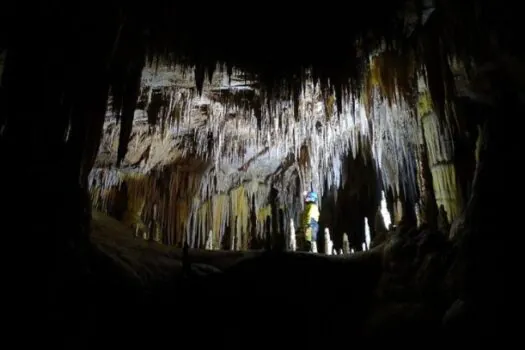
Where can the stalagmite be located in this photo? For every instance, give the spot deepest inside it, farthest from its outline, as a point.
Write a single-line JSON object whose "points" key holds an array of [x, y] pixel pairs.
{"points": [[209, 241], [328, 245], [346, 244], [367, 234], [384, 211], [292, 245], [314, 247]]}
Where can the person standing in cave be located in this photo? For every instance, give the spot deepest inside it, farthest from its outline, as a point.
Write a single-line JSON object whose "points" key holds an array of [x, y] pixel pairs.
{"points": [[310, 221]]}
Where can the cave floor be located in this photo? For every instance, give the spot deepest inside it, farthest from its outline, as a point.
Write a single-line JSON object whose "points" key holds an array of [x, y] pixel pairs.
{"points": [[148, 259], [137, 293]]}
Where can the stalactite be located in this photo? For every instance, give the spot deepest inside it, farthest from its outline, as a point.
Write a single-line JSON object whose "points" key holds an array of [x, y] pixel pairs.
{"points": [[262, 214], [135, 208], [428, 205], [163, 198], [240, 215], [394, 141], [220, 216]]}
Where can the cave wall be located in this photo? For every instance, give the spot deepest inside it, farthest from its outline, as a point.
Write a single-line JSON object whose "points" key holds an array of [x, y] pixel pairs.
{"points": [[173, 206], [157, 206]]}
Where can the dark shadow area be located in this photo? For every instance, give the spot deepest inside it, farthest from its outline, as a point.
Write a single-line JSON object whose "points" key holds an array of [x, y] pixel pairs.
{"points": [[138, 295]]}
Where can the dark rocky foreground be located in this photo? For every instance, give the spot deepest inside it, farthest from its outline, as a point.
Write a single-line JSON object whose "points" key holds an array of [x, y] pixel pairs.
{"points": [[138, 294]]}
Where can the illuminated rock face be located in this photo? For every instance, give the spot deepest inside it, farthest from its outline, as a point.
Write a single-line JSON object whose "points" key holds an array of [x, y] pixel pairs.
{"points": [[206, 162], [440, 151]]}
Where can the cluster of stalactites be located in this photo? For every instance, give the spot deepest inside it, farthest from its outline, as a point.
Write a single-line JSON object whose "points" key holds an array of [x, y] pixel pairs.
{"points": [[240, 216], [167, 208], [103, 185], [188, 206], [394, 143], [222, 129], [230, 217], [155, 205], [314, 129], [104, 178], [174, 206]]}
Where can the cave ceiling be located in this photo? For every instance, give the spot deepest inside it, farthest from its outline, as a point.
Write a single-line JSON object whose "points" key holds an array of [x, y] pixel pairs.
{"points": [[181, 131], [222, 129], [271, 121], [314, 80]]}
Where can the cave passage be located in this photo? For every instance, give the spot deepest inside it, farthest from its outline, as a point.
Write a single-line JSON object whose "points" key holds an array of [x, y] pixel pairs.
{"points": [[156, 168]]}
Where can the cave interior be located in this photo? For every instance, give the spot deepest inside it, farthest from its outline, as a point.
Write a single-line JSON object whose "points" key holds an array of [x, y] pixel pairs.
{"points": [[155, 159]]}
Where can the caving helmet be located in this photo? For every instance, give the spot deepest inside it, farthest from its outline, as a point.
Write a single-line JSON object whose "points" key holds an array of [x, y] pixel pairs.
{"points": [[311, 197]]}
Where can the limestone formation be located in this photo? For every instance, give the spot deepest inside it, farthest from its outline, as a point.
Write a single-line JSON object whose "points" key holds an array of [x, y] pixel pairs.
{"points": [[183, 118]]}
